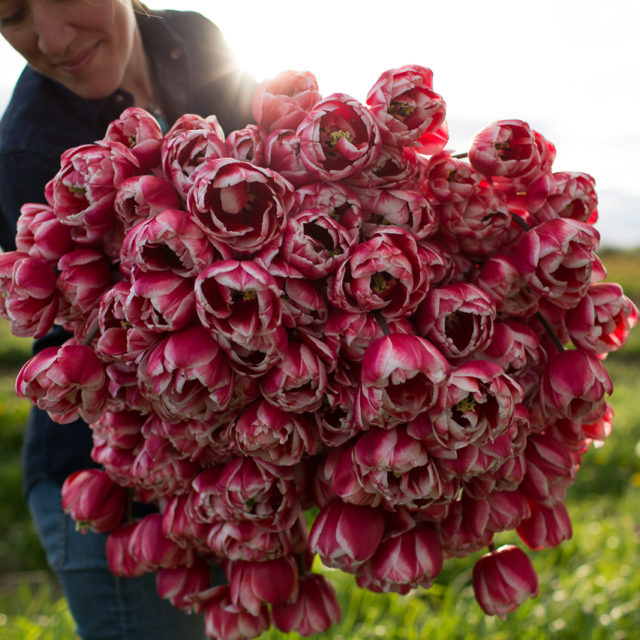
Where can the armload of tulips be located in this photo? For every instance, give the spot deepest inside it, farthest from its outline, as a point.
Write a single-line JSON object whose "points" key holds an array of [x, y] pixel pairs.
{"points": [[323, 333]]}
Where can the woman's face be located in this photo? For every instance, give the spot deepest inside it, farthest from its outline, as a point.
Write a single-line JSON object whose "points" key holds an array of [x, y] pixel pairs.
{"points": [[85, 45]]}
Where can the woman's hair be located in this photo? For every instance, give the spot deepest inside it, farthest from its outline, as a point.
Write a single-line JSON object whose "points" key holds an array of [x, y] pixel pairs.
{"points": [[140, 7]]}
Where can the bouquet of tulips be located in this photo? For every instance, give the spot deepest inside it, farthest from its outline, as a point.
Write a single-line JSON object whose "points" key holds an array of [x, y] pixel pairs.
{"points": [[322, 334]]}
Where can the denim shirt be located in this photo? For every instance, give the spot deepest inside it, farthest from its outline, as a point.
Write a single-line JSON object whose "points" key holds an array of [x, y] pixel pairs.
{"points": [[193, 72]]}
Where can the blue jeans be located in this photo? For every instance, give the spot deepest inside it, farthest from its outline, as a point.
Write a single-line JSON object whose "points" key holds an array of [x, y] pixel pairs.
{"points": [[103, 605]]}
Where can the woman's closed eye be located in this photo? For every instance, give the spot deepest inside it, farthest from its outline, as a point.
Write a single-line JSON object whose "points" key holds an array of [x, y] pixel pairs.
{"points": [[12, 16]]}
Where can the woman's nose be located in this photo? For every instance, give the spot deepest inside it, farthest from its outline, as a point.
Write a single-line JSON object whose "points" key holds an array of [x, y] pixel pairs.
{"points": [[53, 31]]}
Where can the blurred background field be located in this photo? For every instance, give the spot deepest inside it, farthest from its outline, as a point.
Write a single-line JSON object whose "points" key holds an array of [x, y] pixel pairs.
{"points": [[589, 585]]}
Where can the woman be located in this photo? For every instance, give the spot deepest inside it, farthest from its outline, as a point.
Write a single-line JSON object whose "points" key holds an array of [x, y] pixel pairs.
{"points": [[87, 61]]}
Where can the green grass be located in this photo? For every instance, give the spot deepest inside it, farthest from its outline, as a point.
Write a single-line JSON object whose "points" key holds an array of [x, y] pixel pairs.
{"points": [[589, 585]]}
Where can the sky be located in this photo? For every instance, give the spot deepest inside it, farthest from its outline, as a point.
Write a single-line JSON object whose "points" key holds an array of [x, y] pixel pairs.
{"points": [[569, 68]]}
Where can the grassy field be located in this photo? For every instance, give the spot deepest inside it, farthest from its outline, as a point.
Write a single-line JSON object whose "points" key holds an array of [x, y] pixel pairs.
{"points": [[589, 585]]}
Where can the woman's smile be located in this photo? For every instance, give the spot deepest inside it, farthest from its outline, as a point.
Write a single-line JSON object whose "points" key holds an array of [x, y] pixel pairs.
{"points": [[78, 63]]}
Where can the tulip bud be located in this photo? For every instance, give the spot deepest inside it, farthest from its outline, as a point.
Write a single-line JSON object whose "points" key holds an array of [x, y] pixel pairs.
{"points": [[314, 611], [255, 583], [547, 527], [93, 500], [411, 559], [346, 535], [119, 557], [503, 580], [181, 584], [223, 619]]}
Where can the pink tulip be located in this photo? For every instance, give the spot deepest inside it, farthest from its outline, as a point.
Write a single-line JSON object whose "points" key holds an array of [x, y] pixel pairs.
{"points": [[137, 129], [68, 382], [247, 144], [85, 274], [28, 296], [346, 535], [393, 168], [401, 376], [503, 580], [254, 584], [464, 528], [551, 467], [384, 273], [334, 420], [303, 306], [180, 527], [228, 621], [186, 375], [599, 430], [407, 110], [506, 510], [514, 346], [119, 554], [239, 204], [248, 489], [182, 585], [395, 466], [192, 122], [152, 549], [161, 470], [238, 299], [84, 189], [457, 318], [404, 208], [257, 356], [314, 611], [573, 385], [282, 154], [41, 234], [212, 436], [283, 101], [476, 407], [122, 385], [563, 194], [115, 460], [184, 150], [272, 434], [504, 148], [145, 196], [338, 137], [93, 500], [479, 226], [350, 333], [602, 320], [500, 278], [516, 188], [450, 180], [336, 476], [557, 260], [186, 436], [168, 241], [160, 301], [248, 541], [547, 526], [340, 202], [314, 243], [297, 383], [118, 338], [509, 475], [409, 560], [120, 428]]}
